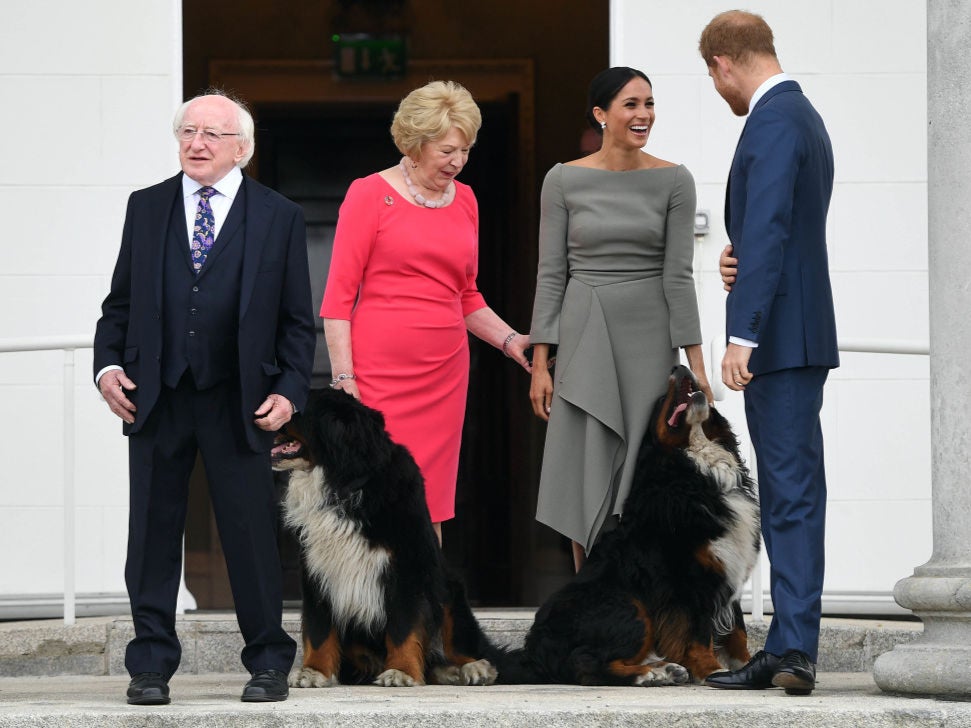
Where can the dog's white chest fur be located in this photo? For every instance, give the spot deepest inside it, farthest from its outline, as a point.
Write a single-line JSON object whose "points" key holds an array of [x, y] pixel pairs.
{"points": [[349, 570], [737, 549]]}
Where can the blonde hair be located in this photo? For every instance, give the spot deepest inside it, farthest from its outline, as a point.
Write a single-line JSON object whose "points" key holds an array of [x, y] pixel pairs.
{"points": [[429, 112]]}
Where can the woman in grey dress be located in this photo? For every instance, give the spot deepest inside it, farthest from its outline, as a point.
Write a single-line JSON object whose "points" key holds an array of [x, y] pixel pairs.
{"points": [[615, 293]]}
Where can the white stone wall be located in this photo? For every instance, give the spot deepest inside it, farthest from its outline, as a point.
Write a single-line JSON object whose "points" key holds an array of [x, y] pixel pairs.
{"points": [[863, 65], [88, 94]]}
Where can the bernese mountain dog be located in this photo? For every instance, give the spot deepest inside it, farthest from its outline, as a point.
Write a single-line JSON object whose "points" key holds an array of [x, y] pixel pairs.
{"points": [[378, 605], [657, 600]]}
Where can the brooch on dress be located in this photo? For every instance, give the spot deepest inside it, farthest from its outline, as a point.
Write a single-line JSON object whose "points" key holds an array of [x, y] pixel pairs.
{"points": [[388, 200]]}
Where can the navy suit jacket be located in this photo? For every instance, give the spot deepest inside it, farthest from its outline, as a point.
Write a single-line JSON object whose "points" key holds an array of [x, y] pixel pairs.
{"points": [[276, 326], [778, 197]]}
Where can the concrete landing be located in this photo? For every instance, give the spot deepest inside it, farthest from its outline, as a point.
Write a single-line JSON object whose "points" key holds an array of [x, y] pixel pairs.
{"points": [[841, 700], [211, 642]]}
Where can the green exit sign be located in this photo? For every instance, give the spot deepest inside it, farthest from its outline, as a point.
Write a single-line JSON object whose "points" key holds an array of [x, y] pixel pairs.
{"points": [[361, 55]]}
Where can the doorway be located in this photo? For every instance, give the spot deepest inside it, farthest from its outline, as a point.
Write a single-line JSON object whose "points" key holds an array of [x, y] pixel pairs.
{"points": [[313, 139]]}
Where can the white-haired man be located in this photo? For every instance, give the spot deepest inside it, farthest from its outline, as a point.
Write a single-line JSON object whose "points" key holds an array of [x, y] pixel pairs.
{"points": [[205, 344]]}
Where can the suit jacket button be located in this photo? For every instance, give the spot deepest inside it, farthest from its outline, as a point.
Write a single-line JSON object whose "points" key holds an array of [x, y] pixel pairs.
{"points": [[195, 289], [192, 333]]}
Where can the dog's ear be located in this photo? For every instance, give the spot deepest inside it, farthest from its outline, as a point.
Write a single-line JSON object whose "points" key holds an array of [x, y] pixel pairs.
{"points": [[350, 435]]}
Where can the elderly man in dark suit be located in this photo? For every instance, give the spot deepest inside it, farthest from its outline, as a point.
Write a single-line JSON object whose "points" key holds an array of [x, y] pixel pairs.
{"points": [[781, 329], [206, 343]]}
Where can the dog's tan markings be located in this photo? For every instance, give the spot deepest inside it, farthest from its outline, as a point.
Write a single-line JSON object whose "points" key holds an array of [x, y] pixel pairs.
{"points": [[700, 661], [448, 641], [634, 666], [320, 664], [325, 658], [677, 645], [405, 664], [733, 652], [708, 560]]}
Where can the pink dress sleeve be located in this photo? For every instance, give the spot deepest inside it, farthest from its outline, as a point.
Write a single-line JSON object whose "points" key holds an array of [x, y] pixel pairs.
{"points": [[357, 224], [472, 300]]}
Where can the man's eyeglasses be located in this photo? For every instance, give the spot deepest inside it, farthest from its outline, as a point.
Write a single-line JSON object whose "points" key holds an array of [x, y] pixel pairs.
{"points": [[188, 133]]}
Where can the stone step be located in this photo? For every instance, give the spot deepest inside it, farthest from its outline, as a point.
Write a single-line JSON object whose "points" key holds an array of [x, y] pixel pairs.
{"points": [[212, 701], [211, 642]]}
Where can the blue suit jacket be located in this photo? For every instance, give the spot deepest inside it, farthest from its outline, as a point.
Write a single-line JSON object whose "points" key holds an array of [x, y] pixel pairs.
{"points": [[778, 196], [276, 325]]}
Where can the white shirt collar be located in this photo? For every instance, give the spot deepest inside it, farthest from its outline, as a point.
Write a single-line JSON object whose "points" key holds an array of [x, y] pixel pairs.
{"points": [[766, 85], [228, 186]]}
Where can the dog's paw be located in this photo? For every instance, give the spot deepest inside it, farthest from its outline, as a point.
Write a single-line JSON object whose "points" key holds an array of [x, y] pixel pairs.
{"points": [[665, 673], [448, 675], [307, 677], [480, 672], [397, 679]]}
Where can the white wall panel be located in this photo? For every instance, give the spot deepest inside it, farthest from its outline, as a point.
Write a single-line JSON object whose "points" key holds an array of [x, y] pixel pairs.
{"points": [[875, 36], [91, 38], [55, 239], [90, 89], [875, 226]]}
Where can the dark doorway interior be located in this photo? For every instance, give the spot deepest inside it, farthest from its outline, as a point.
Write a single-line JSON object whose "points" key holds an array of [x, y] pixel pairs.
{"points": [[310, 154]]}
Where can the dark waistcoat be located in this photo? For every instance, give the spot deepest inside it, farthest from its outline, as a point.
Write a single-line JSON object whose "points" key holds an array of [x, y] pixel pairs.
{"points": [[200, 313]]}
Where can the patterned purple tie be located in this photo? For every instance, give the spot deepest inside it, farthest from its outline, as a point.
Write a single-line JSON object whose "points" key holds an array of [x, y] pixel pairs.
{"points": [[204, 229]]}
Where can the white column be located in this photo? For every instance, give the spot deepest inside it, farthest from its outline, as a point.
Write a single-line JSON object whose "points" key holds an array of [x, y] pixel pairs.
{"points": [[939, 592]]}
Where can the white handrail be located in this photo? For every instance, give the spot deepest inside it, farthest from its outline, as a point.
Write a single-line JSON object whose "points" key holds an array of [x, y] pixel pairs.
{"points": [[46, 343], [718, 389], [67, 344]]}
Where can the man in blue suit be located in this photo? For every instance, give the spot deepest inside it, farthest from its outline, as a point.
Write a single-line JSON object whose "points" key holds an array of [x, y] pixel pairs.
{"points": [[781, 329], [205, 344]]}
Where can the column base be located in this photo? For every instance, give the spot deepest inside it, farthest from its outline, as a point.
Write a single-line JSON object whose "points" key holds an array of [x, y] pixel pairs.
{"points": [[925, 669], [939, 662]]}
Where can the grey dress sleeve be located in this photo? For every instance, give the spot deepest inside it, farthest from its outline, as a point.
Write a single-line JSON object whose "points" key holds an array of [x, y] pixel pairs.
{"points": [[678, 276], [552, 270]]}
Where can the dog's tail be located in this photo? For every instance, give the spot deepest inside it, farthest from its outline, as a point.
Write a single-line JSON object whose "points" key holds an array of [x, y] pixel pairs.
{"points": [[516, 667], [465, 637]]}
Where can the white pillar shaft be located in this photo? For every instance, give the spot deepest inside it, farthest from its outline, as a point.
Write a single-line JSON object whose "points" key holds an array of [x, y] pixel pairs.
{"points": [[939, 592]]}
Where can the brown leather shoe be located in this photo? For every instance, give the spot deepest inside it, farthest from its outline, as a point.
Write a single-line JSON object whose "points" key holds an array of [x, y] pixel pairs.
{"points": [[796, 673], [755, 675]]}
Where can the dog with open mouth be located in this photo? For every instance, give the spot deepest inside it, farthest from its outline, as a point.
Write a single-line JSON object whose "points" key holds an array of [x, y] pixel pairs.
{"points": [[657, 600], [378, 604]]}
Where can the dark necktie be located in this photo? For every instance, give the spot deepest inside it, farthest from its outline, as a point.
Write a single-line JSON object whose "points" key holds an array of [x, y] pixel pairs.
{"points": [[203, 230]]}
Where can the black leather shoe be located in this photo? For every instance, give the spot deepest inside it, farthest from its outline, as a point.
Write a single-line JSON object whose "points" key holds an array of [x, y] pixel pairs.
{"points": [[796, 673], [756, 675], [266, 686], [148, 688]]}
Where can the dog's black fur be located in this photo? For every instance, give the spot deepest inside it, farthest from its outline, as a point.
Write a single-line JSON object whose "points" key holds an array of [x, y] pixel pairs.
{"points": [[658, 596], [378, 604]]}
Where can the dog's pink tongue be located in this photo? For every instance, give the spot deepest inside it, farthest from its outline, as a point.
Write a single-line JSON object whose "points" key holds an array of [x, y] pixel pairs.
{"points": [[285, 448], [677, 411]]}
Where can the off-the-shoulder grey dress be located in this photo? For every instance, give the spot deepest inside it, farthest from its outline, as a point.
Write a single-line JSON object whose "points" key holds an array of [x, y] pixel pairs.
{"points": [[615, 291]]}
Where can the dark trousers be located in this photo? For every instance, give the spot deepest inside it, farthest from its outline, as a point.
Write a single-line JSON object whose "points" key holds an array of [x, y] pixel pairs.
{"points": [[161, 457], [782, 409]]}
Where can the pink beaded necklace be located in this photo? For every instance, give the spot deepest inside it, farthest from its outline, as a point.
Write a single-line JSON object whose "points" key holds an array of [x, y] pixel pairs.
{"points": [[419, 197]]}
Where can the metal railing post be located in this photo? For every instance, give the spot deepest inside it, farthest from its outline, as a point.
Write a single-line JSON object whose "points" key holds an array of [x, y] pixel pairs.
{"points": [[69, 494]]}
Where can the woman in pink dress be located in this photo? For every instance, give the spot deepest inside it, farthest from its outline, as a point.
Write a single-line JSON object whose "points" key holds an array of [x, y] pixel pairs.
{"points": [[401, 293]]}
